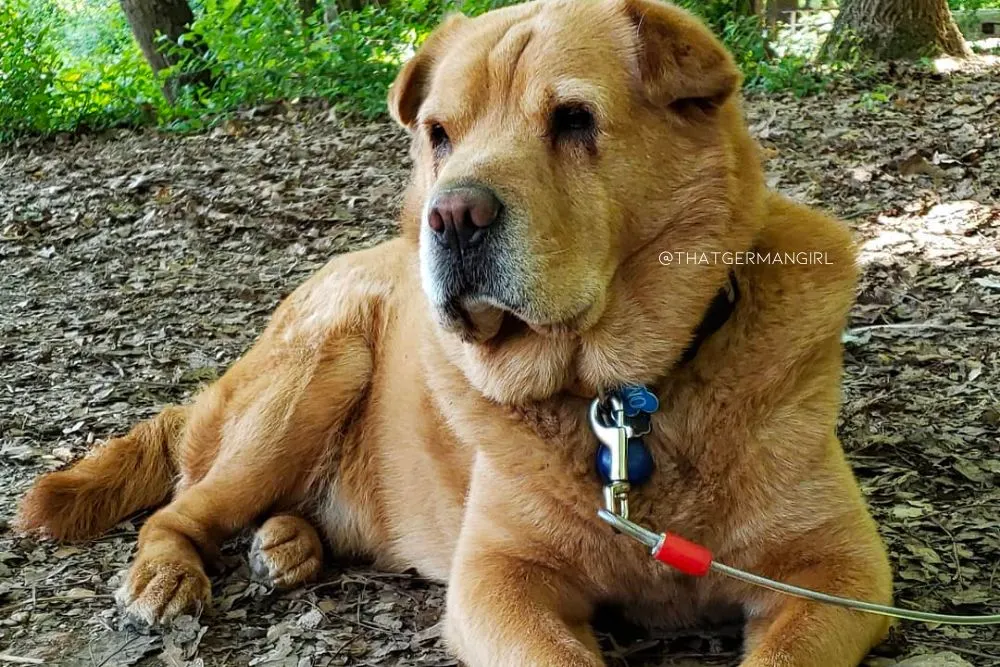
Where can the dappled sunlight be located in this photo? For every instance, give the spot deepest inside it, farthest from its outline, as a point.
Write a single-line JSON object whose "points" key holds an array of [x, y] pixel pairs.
{"points": [[950, 232], [977, 62], [986, 44], [804, 35]]}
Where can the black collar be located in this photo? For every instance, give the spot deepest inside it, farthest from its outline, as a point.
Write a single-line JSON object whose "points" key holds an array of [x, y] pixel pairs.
{"points": [[718, 313]]}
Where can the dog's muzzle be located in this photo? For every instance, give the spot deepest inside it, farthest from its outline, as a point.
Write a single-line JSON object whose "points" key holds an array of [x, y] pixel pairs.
{"points": [[467, 259]]}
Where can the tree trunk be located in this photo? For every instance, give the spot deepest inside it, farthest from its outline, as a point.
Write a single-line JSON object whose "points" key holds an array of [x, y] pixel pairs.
{"points": [[307, 8], [332, 9], [777, 11], [891, 29], [171, 18], [356, 5]]}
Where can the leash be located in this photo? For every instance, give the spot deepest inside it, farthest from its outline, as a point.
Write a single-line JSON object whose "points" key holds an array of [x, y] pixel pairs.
{"points": [[623, 460]]}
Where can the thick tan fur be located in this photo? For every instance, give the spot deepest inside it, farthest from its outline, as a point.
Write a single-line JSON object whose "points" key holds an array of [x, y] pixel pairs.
{"points": [[466, 452]]}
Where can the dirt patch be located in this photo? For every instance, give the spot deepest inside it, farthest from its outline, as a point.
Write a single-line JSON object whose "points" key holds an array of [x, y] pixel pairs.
{"points": [[135, 266]]}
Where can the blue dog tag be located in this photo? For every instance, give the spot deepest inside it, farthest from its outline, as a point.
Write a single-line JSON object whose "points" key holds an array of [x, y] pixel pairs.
{"points": [[636, 399]]}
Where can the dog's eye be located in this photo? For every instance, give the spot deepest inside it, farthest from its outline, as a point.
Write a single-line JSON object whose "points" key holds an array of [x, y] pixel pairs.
{"points": [[574, 122], [439, 138]]}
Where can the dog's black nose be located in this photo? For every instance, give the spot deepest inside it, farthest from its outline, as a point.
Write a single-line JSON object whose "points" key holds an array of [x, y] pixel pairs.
{"points": [[459, 216]]}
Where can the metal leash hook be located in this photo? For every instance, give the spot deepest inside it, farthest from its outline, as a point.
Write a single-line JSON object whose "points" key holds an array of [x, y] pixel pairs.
{"points": [[615, 437]]}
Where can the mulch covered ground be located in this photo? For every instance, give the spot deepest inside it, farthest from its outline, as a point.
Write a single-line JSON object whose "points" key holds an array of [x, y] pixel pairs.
{"points": [[136, 265]]}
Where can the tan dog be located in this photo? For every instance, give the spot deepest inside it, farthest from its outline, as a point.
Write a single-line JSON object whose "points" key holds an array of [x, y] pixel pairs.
{"points": [[424, 402]]}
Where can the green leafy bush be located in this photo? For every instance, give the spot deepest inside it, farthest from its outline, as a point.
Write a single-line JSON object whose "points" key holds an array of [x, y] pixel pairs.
{"points": [[68, 69], [973, 5], [105, 79], [75, 65], [265, 49], [29, 65], [745, 36], [71, 65]]}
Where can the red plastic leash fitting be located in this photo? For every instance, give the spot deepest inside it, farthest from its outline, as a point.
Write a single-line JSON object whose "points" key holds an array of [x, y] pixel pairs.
{"points": [[680, 554]]}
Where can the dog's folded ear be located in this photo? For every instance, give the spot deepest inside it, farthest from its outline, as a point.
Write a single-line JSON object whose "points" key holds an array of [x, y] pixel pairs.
{"points": [[409, 89], [678, 58]]}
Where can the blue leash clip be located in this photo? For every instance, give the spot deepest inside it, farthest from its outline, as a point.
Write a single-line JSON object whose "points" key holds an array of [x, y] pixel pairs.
{"points": [[636, 403]]}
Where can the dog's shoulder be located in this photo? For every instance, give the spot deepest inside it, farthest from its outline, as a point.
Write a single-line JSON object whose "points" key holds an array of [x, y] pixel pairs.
{"points": [[805, 265], [794, 227], [783, 341], [349, 293]]}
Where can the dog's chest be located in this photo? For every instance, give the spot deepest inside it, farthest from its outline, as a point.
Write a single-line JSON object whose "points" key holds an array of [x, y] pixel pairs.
{"points": [[568, 443]]}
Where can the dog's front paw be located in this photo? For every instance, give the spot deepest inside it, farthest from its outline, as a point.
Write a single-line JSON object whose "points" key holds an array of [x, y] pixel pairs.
{"points": [[286, 552], [156, 591]]}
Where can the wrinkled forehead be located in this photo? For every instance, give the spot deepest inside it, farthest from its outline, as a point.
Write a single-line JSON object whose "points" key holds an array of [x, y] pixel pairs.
{"points": [[530, 58]]}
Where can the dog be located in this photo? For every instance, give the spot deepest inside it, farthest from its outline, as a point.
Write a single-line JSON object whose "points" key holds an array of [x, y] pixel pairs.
{"points": [[424, 403]]}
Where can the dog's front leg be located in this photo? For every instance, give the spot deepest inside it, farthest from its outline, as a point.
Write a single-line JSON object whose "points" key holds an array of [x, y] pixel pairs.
{"points": [[168, 576], [504, 611], [846, 559], [272, 432], [511, 601]]}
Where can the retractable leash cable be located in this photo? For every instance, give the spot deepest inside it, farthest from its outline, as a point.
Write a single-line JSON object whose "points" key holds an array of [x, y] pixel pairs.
{"points": [[696, 560], [628, 412]]}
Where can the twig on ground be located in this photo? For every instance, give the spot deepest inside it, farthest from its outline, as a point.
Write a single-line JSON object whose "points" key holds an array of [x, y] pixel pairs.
{"points": [[118, 650], [54, 598], [967, 651], [914, 325], [20, 660]]}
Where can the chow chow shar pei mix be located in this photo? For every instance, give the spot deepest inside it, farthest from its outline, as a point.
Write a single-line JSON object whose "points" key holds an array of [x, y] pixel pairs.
{"points": [[424, 402]]}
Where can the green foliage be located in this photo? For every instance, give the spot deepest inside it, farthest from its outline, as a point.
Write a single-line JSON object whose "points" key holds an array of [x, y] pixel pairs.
{"points": [[75, 65], [105, 79], [70, 64], [29, 65], [877, 97], [265, 49], [745, 36], [66, 69], [973, 5]]}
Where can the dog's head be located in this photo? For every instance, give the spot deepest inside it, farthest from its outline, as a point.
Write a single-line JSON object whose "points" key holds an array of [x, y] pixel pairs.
{"points": [[560, 147]]}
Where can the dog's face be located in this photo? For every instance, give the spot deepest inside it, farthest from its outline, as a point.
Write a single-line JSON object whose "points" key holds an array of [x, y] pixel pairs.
{"points": [[554, 142]]}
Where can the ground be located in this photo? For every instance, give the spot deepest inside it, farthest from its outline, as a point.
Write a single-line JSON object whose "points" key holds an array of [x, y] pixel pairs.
{"points": [[135, 265]]}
